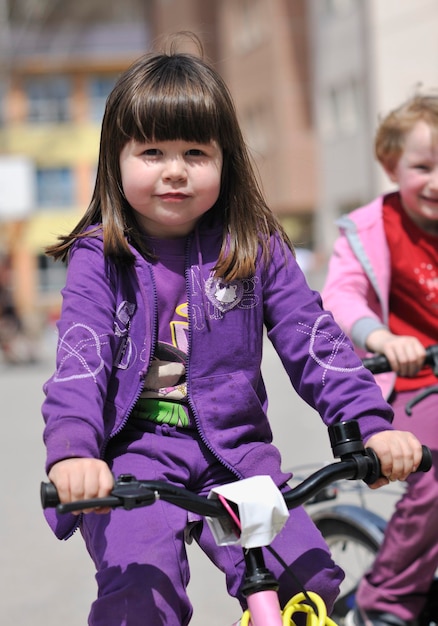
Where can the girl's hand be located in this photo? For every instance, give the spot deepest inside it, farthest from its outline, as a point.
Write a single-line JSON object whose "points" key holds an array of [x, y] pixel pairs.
{"points": [[399, 453], [81, 479], [405, 353]]}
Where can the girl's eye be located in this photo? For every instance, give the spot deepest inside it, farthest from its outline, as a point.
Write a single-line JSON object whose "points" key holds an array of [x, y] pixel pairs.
{"points": [[195, 152], [150, 151]]}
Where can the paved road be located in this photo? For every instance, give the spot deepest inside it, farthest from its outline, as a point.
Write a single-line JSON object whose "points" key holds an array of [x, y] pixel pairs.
{"points": [[45, 582]]}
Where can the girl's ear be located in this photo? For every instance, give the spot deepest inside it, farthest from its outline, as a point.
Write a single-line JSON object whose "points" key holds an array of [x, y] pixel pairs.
{"points": [[391, 174]]}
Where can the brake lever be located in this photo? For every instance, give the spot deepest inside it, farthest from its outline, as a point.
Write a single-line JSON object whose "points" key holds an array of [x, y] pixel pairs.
{"points": [[132, 494], [93, 503]]}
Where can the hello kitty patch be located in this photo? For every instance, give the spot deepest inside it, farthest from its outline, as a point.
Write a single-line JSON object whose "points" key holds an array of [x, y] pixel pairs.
{"points": [[224, 295]]}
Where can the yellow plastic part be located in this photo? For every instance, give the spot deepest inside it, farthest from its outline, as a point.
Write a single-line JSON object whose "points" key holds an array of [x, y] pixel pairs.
{"points": [[298, 604]]}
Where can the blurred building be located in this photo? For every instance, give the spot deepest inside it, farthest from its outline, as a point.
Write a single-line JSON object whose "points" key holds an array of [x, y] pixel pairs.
{"points": [[309, 78], [60, 59], [261, 49], [58, 62]]}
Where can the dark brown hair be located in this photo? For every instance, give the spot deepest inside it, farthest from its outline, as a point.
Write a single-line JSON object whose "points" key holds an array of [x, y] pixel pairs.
{"points": [[176, 96]]}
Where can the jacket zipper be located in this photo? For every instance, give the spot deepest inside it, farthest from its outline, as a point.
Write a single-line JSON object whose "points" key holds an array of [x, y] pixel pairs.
{"points": [[204, 440]]}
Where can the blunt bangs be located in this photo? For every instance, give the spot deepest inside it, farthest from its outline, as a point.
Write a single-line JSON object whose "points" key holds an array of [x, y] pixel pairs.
{"points": [[172, 100]]}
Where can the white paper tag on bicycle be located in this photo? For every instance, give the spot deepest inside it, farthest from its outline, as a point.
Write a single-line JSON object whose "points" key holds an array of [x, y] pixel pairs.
{"points": [[262, 512]]}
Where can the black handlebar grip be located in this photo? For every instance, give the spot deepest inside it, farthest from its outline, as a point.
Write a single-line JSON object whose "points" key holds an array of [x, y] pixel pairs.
{"points": [[49, 495], [426, 460], [377, 364], [374, 471]]}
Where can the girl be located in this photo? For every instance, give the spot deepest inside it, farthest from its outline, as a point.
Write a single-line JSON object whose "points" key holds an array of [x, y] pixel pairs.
{"points": [[174, 271], [383, 270]]}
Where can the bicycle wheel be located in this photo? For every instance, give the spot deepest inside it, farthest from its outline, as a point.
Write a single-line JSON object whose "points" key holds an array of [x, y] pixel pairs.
{"points": [[354, 551]]}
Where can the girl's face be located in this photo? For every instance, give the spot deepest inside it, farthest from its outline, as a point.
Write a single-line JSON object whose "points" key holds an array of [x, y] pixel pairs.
{"points": [[170, 184], [416, 175]]}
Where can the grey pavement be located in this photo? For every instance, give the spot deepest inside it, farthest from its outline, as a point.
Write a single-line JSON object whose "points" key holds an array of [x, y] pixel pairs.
{"points": [[45, 582]]}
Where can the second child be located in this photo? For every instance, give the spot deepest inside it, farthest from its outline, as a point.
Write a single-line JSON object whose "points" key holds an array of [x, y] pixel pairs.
{"points": [[382, 287]]}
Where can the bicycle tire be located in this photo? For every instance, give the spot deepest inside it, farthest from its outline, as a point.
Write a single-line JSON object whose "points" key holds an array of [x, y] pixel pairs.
{"points": [[354, 550], [349, 542]]}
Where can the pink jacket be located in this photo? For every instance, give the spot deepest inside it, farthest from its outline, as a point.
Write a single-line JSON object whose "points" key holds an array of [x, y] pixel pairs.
{"points": [[356, 290]]}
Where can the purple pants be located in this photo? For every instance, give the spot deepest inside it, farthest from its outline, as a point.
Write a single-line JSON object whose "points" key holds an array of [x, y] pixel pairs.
{"points": [[140, 555], [408, 558]]}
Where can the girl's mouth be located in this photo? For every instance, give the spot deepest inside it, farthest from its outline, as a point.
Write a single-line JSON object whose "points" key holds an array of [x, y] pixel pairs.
{"points": [[173, 197], [429, 200]]}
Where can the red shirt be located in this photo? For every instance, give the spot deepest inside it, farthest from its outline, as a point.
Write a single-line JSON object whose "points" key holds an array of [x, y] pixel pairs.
{"points": [[413, 301]]}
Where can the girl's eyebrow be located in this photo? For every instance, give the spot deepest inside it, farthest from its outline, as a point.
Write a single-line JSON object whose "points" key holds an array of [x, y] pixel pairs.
{"points": [[198, 142]]}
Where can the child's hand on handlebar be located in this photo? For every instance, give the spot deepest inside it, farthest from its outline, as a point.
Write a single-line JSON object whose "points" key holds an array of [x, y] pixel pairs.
{"points": [[399, 453], [82, 479], [405, 353]]}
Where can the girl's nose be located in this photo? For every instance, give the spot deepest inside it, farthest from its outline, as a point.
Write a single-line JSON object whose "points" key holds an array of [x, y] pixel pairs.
{"points": [[175, 169]]}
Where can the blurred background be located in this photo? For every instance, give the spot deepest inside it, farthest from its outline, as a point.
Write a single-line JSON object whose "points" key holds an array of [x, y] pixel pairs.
{"points": [[309, 78]]}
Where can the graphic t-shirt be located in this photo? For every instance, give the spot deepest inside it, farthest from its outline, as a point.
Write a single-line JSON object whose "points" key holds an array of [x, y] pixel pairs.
{"points": [[164, 397], [413, 300]]}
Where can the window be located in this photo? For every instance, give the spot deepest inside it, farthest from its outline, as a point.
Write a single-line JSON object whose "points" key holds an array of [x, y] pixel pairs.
{"points": [[49, 99], [55, 187], [99, 90], [51, 275], [340, 111]]}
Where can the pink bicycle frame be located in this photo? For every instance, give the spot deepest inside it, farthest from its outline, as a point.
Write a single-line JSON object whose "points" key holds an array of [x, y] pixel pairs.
{"points": [[264, 608]]}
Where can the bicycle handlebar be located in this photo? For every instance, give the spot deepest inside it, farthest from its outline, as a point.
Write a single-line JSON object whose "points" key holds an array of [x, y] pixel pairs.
{"points": [[378, 364], [357, 463]]}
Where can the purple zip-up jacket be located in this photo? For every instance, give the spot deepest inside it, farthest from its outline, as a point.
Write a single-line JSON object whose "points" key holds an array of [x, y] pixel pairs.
{"points": [[107, 333]]}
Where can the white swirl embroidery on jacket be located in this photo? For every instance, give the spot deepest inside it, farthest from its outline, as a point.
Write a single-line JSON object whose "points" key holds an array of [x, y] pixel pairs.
{"points": [[82, 359], [326, 337]]}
